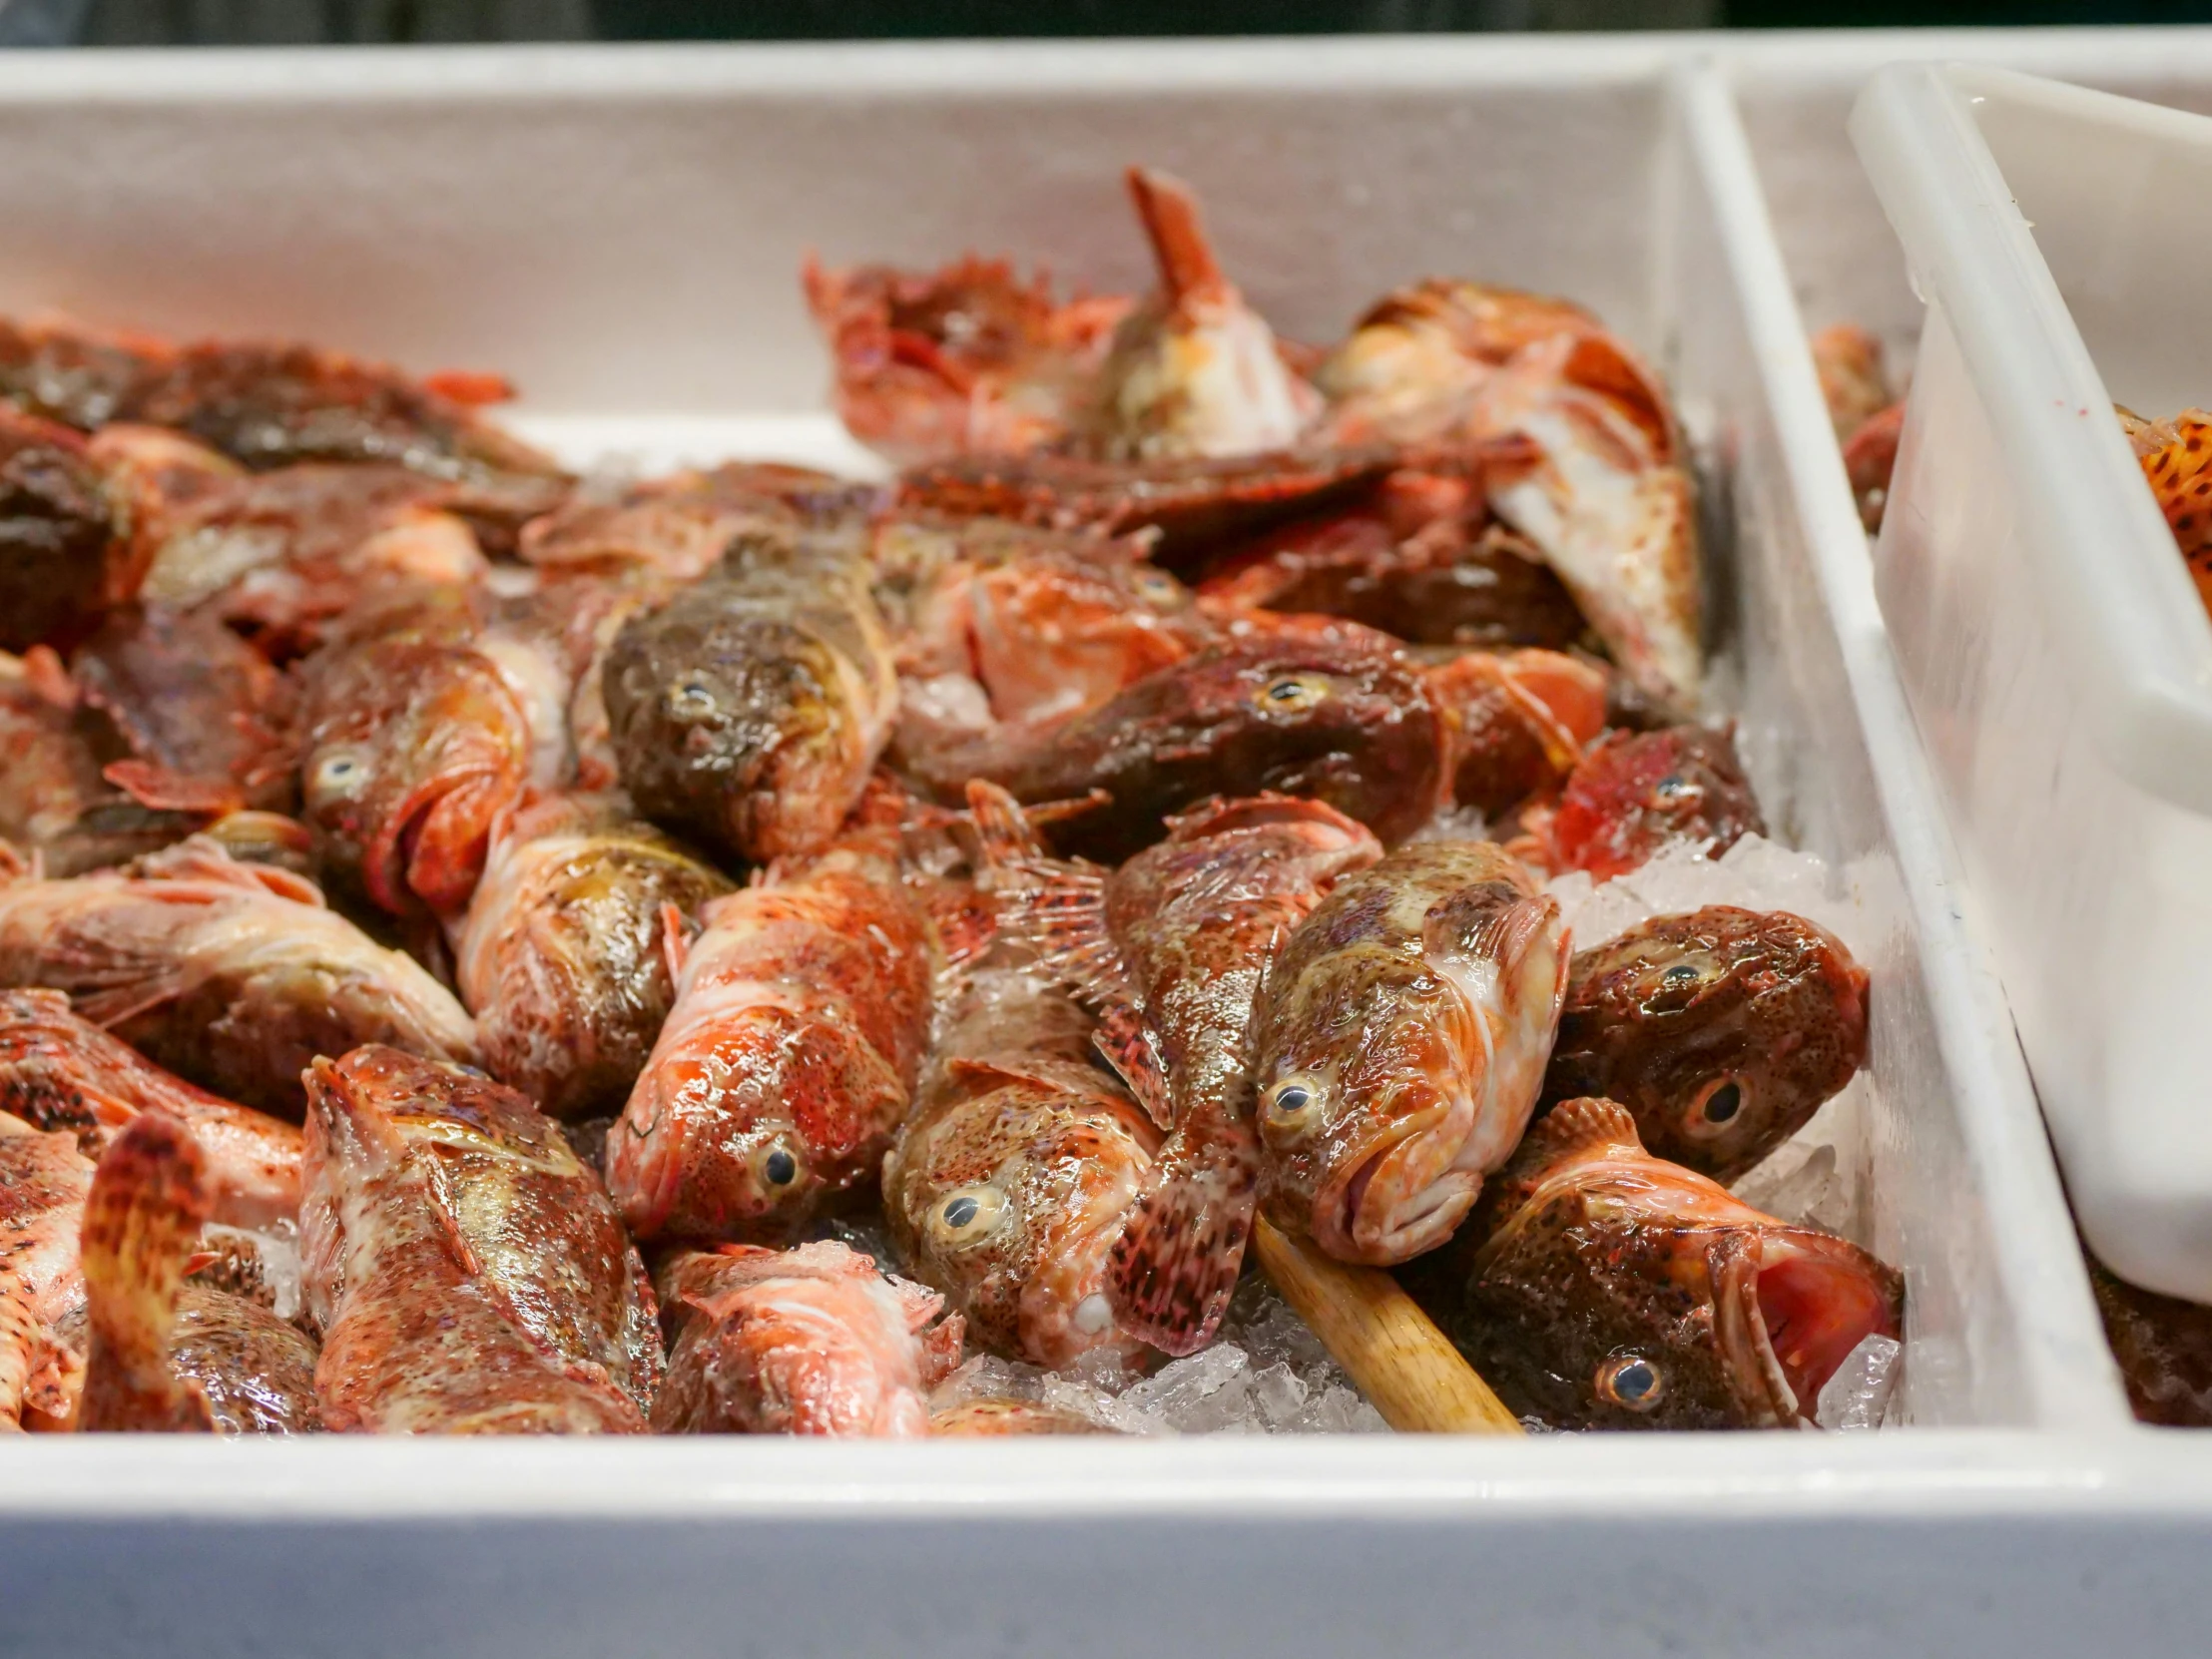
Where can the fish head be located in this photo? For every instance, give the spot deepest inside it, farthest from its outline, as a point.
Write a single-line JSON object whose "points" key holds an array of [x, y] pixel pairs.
{"points": [[1647, 1296], [1635, 793], [413, 752], [1722, 1030]]}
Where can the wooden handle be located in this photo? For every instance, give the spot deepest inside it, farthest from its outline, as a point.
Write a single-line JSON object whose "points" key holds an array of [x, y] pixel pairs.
{"points": [[1394, 1350]]}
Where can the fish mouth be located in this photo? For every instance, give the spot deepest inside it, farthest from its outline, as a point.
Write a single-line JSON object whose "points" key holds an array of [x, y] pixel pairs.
{"points": [[1426, 1208], [1065, 1310], [1788, 1311], [433, 847]]}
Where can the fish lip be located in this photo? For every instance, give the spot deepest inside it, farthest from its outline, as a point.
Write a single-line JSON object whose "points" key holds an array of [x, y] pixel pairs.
{"points": [[1070, 1277], [1739, 1331], [385, 867], [1439, 1206]]}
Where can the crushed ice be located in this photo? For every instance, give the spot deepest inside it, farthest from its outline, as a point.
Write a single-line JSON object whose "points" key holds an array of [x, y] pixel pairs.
{"points": [[1859, 1394], [1755, 874]]}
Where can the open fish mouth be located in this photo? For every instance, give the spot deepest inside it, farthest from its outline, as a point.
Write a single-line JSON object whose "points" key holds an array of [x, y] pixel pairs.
{"points": [[1384, 1212], [1788, 1311]]}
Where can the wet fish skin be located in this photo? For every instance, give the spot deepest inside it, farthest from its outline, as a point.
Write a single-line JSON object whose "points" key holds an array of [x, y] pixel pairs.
{"points": [[1010, 1178], [748, 709], [564, 955], [427, 721], [1635, 793], [789, 1056], [1521, 721], [1401, 1046], [1173, 949], [256, 1370], [232, 975], [469, 1274], [66, 557], [44, 1180], [1609, 1289], [59, 1071], [1722, 1031], [1339, 715], [811, 1340]]}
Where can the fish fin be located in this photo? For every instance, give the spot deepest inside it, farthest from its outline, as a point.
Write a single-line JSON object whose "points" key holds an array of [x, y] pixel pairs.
{"points": [[117, 1003], [1002, 831], [1128, 1044], [1590, 1121], [203, 859], [1169, 214], [166, 791], [674, 942], [1508, 935], [143, 1217], [1176, 1264], [941, 1347]]}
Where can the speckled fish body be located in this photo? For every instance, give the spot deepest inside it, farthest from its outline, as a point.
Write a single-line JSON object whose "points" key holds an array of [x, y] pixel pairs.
{"points": [[677, 527], [1722, 1031], [1047, 625], [208, 720], [1401, 1047], [1013, 1175], [1341, 716], [468, 1272], [256, 1370], [748, 709], [59, 1071], [232, 975], [430, 719], [1193, 371], [1173, 947], [564, 955], [1521, 722], [2163, 1347], [811, 1340], [43, 1183], [789, 1056], [1604, 496], [1614, 1290], [1634, 794]]}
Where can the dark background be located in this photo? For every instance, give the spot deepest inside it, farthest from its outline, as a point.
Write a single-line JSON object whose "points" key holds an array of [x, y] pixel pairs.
{"points": [[239, 22]]}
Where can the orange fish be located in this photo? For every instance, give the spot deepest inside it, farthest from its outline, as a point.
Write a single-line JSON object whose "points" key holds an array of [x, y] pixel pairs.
{"points": [[43, 1183]]}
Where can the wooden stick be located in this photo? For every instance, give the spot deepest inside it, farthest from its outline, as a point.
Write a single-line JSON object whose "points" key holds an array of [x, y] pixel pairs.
{"points": [[1419, 1381]]}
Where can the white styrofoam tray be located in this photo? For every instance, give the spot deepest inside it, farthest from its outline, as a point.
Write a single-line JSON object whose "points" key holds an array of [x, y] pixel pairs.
{"points": [[2057, 658], [619, 230]]}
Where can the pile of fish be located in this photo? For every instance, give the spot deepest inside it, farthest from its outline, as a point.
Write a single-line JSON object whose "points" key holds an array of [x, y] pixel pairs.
{"points": [[482, 944]]}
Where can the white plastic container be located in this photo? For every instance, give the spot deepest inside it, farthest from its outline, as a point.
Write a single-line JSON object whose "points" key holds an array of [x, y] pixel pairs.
{"points": [[618, 230], [2059, 663]]}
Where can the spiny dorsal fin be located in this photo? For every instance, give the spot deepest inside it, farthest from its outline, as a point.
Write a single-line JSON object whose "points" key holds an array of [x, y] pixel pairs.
{"points": [[1590, 1121], [143, 1217]]}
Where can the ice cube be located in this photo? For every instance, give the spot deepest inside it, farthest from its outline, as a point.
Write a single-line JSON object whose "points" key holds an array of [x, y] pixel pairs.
{"points": [[1279, 1396], [1456, 823], [1756, 874], [1181, 1394], [1859, 1394], [1341, 1411]]}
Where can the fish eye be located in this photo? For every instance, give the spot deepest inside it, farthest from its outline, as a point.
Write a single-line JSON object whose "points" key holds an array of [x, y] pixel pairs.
{"points": [[1680, 974], [691, 700], [1631, 1382], [1290, 1108], [337, 774], [1292, 692], [1718, 1104], [967, 1216], [1156, 585], [776, 1166]]}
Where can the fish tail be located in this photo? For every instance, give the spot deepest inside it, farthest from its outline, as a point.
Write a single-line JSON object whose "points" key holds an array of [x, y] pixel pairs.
{"points": [[141, 1223], [1176, 1264]]}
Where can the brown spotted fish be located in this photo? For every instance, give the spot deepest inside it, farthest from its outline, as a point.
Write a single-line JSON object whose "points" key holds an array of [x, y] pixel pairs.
{"points": [[1401, 1046], [811, 1340], [677, 527], [233, 975], [748, 709], [1520, 720], [1193, 371], [1721, 1031], [789, 1055], [565, 956], [43, 1183], [1609, 1289], [1338, 713], [1013, 1175], [66, 555], [467, 1271], [1636, 793], [59, 1071], [1172, 949], [427, 720]]}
